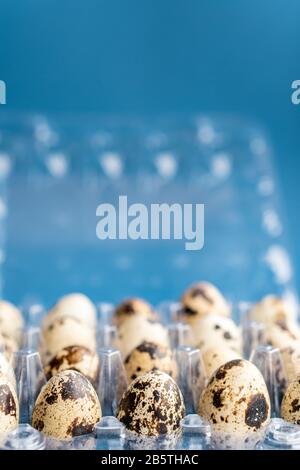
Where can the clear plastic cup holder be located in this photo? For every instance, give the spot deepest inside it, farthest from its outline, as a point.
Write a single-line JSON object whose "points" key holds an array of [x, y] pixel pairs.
{"points": [[106, 336], [169, 311], [105, 312], [30, 378], [112, 380], [269, 361], [24, 437], [191, 377], [196, 432], [253, 335], [281, 435], [180, 334], [109, 426]]}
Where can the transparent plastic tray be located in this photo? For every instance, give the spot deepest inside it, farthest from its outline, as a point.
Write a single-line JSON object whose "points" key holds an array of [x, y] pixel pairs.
{"points": [[54, 173]]}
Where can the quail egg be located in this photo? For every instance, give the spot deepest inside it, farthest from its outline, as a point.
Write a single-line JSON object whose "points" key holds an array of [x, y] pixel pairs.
{"points": [[290, 405], [273, 309], [67, 331], [282, 334], [8, 345], [147, 357], [136, 330], [67, 406], [201, 299], [129, 308], [291, 360], [215, 356], [6, 370], [11, 320], [77, 358], [9, 406], [152, 405], [75, 305], [236, 399], [215, 329]]}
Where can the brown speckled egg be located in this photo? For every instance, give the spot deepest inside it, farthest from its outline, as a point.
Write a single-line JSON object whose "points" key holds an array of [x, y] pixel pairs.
{"points": [[6, 370], [152, 405], [215, 329], [75, 305], [67, 331], [9, 345], [11, 320], [291, 361], [282, 334], [9, 406], [215, 356], [236, 399], [130, 308], [77, 358], [290, 405], [201, 299], [147, 357], [67, 406], [272, 309], [136, 330]]}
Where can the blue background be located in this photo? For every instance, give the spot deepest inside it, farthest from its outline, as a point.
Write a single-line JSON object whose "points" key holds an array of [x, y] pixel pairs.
{"points": [[148, 56]]}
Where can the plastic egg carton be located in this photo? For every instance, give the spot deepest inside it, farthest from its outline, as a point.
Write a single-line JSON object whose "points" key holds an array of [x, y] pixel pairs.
{"points": [[110, 434], [53, 174]]}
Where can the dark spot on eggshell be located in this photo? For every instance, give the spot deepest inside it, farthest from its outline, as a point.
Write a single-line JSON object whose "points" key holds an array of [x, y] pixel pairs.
{"points": [[201, 292], [7, 402], [39, 425], [154, 351], [51, 399], [73, 389], [217, 399], [295, 405], [257, 411], [227, 335], [78, 428], [188, 311]]}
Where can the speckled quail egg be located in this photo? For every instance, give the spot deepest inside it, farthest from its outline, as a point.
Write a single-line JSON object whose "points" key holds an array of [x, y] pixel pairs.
{"points": [[282, 334], [137, 329], [9, 406], [290, 405], [201, 299], [77, 358], [147, 357], [215, 356], [272, 309], [130, 308], [8, 345], [215, 329], [152, 405], [11, 320], [6, 370], [67, 331], [291, 360], [75, 305], [67, 406], [236, 399]]}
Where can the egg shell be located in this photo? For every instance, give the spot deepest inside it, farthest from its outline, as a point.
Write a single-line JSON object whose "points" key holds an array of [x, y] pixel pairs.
{"points": [[290, 405], [136, 330], [201, 299], [11, 320], [75, 305], [67, 406], [67, 331], [130, 308], [152, 405], [272, 309], [236, 399], [215, 329], [282, 334], [147, 357], [77, 358], [6, 370], [215, 356], [9, 406], [291, 360], [8, 345]]}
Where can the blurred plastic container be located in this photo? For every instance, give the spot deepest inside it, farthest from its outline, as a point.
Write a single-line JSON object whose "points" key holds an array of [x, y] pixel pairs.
{"points": [[54, 173]]}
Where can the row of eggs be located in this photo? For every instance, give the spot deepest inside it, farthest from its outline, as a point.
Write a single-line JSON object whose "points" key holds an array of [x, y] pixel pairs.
{"points": [[235, 398]]}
